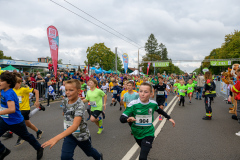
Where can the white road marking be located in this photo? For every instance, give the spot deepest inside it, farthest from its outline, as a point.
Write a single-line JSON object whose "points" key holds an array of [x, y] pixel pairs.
{"points": [[135, 147]]}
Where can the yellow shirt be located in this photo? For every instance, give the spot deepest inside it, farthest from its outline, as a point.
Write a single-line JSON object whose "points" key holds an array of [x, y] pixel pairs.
{"points": [[111, 86], [23, 97], [138, 84], [122, 94]]}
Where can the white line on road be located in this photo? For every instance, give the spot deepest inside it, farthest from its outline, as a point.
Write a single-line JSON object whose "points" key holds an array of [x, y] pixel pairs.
{"points": [[135, 147]]}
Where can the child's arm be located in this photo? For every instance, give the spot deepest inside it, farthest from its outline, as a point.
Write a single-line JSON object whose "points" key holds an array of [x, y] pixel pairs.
{"points": [[11, 108], [76, 122], [105, 101], [36, 92]]}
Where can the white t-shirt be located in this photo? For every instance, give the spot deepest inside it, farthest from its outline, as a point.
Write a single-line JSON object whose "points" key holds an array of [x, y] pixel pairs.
{"points": [[62, 88], [167, 87], [51, 90], [104, 88]]}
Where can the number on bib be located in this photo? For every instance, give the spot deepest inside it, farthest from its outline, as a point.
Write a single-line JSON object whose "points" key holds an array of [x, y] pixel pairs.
{"points": [[67, 124], [20, 99], [160, 93], [5, 115], [114, 91], [93, 104], [143, 120], [189, 88]]}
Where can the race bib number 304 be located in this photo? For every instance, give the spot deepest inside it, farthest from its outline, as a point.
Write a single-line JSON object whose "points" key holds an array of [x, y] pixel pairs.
{"points": [[143, 120]]}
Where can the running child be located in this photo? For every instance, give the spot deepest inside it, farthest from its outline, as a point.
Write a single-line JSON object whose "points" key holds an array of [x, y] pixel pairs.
{"points": [[11, 117], [125, 90], [175, 87], [142, 111], [104, 87], [181, 90], [190, 89], [138, 83], [160, 98], [76, 132], [50, 93], [24, 107], [94, 96], [167, 90], [116, 93]]}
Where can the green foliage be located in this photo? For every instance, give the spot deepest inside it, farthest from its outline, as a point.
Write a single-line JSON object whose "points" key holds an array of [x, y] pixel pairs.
{"points": [[100, 55], [50, 59], [229, 49], [155, 52], [4, 57]]}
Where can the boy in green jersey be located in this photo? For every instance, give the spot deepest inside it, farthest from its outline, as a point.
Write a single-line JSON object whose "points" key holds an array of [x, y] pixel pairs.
{"points": [[190, 88], [175, 87], [142, 111], [181, 90]]}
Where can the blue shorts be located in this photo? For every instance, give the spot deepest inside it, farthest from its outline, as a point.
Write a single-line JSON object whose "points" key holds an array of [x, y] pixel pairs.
{"points": [[116, 97], [165, 96]]}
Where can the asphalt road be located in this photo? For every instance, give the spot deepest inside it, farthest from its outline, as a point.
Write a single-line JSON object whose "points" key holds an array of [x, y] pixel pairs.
{"points": [[192, 138]]}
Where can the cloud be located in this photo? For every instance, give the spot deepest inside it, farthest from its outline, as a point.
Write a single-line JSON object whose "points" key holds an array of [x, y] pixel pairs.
{"points": [[189, 29]]}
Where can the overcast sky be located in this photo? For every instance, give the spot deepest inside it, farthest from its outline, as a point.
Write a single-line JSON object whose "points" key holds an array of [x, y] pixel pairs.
{"points": [[190, 29]]}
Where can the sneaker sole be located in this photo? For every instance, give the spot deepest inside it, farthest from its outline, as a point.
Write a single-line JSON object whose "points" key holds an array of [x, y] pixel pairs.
{"points": [[19, 144], [40, 136]]}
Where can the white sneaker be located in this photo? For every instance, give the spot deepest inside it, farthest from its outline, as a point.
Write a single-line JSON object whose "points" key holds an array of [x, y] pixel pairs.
{"points": [[238, 134], [48, 106]]}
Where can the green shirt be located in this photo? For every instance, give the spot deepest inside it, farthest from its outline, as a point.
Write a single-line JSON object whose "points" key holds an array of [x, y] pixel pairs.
{"points": [[175, 86], [181, 89], [83, 87], [138, 109], [190, 87], [95, 98]]}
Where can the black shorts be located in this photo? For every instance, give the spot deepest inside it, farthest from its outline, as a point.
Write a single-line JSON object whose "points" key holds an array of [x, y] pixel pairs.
{"points": [[146, 141], [96, 113], [25, 114], [160, 100], [231, 94]]}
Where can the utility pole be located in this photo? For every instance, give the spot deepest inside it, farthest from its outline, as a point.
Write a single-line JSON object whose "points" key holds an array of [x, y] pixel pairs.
{"points": [[116, 59]]}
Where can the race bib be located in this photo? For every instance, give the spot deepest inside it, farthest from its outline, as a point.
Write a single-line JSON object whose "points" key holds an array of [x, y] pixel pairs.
{"points": [[143, 120], [67, 124], [93, 104], [189, 88], [5, 115], [105, 91], [20, 99], [168, 82], [114, 91], [160, 93], [182, 90]]}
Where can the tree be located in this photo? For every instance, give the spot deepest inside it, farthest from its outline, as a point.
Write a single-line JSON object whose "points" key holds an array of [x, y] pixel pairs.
{"points": [[229, 49], [163, 51], [151, 46], [50, 59], [100, 56], [4, 57]]}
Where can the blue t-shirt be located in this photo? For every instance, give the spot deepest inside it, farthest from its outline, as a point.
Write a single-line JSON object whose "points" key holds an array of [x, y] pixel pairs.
{"points": [[13, 118], [129, 97]]}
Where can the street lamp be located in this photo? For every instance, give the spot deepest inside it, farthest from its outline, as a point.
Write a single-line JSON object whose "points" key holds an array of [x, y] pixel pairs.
{"points": [[138, 59]]}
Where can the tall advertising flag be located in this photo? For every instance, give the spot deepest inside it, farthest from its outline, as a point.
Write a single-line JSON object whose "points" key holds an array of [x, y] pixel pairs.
{"points": [[125, 61], [148, 67], [53, 39]]}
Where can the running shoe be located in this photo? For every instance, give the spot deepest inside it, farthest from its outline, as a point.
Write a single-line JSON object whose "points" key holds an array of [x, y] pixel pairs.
{"points": [[40, 153], [200, 98], [5, 153], [115, 103], [41, 108], [19, 142], [207, 118], [7, 135], [88, 119], [100, 129], [48, 105], [111, 104], [39, 134], [190, 102], [120, 108], [238, 133], [160, 118], [196, 98], [100, 122]]}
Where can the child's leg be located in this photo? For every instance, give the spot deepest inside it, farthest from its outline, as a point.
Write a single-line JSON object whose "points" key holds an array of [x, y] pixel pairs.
{"points": [[146, 145], [87, 148], [89, 111], [21, 130], [3, 128], [68, 147], [48, 99]]}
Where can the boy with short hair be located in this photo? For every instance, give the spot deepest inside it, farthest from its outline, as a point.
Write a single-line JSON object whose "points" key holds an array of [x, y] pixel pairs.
{"points": [[50, 93], [76, 132], [130, 95], [125, 90], [142, 111], [190, 89], [181, 90], [11, 117], [94, 96], [160, 88], [116, 93]]}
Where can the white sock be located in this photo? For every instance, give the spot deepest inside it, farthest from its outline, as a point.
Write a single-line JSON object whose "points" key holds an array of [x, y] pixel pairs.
{"points": [[33, 112]]}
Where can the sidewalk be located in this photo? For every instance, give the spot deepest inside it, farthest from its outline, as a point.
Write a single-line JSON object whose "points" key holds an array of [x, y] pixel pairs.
{"points": [[194, 138]]}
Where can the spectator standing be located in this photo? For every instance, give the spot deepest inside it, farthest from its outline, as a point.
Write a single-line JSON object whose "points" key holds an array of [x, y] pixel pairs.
{"points": [[200, 84], [47, 78]]}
